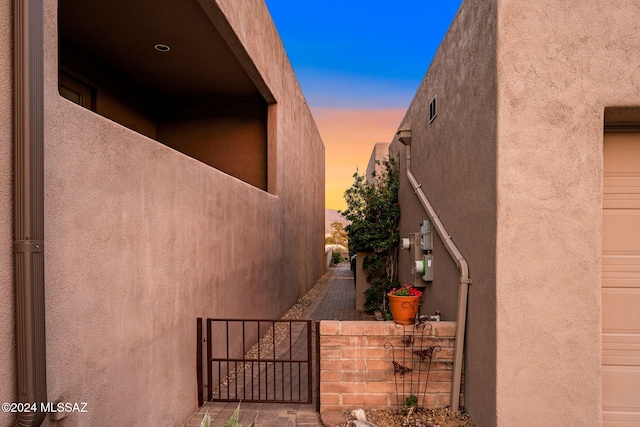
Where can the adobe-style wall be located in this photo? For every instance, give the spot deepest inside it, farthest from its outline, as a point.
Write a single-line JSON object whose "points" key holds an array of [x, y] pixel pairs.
{"points": [[560, 64], [7, 317], [141, 240], [513, 166], [357, 370], [379, 152], [453, 157], [299, 147]]}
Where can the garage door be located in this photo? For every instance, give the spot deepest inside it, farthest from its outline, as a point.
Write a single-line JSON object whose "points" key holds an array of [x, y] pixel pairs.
{"points": [[621, 281]]}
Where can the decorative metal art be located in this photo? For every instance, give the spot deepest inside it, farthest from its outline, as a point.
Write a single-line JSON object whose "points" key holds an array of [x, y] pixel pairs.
{"points": [[419, 321], [407, 340], [426, 353], [399, 369], [415, 361]]}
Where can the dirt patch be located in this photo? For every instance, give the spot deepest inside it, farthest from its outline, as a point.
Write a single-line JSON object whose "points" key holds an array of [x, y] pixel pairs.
{"points": [[442, 417]]}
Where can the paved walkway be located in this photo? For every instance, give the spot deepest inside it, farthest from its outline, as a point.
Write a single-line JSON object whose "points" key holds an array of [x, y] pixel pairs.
{"points": [[336, 302]]}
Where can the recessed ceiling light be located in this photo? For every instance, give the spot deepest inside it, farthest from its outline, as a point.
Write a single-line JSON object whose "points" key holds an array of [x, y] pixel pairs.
{"points": [[162, 47]]}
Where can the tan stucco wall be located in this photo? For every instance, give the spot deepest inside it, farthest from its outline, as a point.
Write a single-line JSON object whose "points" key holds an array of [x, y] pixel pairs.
{"points": [[7, 322], [297, 137], [454, 160], [513, 166], [379, 152], [559, 65], [141, 239]]}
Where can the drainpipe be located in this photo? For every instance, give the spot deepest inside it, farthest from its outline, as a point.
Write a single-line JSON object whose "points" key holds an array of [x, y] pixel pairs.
{"points": [[405, 138], [28, 246]]}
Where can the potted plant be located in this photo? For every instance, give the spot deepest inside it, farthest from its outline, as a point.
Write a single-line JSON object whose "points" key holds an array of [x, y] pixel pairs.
{"points": [[404, 302]]}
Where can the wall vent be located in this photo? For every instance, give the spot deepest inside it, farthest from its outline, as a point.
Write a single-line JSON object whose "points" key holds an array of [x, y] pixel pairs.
{"points": [[432, 110]]}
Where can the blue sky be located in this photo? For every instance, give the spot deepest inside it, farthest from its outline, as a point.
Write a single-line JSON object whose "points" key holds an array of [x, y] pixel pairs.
{"points": [[361, 54], [359, 64]]}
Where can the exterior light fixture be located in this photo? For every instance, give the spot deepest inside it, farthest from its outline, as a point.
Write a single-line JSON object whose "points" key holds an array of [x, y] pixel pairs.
{"points": [[404, 134], [162, 47]]}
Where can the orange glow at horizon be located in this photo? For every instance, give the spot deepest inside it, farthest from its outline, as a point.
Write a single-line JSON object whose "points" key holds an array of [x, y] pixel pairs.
{"points": [[349, 136]]}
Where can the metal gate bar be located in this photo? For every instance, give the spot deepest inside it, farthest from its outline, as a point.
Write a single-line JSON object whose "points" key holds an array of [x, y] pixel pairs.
{"points": [[201, 386], [257, 361]]}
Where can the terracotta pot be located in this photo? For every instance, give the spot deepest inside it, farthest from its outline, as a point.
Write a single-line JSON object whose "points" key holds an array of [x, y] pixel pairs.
{"points": [[403, 309]]}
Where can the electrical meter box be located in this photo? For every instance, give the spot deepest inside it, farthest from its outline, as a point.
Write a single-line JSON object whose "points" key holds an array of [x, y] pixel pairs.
{"points": [[427, 270], [425, 235]]}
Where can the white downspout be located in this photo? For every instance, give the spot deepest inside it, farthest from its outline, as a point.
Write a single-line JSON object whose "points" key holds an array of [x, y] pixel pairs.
{"points": [[405, 138]]}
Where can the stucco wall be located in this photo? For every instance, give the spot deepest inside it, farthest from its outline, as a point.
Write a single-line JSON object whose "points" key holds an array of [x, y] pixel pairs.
{"points": [[454, 160], [379, 152], [142, 239], [513, 166], [298, 148], [7, 319], [559, 65]]}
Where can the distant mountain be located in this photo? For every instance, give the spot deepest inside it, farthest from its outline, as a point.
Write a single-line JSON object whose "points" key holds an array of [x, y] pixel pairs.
{"points": [[331, 216]]}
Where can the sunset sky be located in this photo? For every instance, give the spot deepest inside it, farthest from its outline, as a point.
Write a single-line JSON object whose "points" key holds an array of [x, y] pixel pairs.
{"points": [[359, 63]]}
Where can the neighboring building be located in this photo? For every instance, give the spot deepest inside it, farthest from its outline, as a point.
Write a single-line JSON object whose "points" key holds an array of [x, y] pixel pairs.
{"points": [[379, 152], [181, 181], [531, 160]]}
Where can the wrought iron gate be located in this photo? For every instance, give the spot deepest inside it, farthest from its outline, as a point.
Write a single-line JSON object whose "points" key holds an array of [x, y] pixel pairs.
{"points": [[254, 361]]}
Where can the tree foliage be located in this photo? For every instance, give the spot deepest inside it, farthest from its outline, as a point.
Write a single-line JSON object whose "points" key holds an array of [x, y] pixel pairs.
{"points": [[374, 212], [338, 235]]}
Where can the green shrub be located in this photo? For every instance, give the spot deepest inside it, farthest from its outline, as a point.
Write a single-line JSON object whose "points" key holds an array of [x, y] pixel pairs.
{"points": [[374, 212], [336, 258]]}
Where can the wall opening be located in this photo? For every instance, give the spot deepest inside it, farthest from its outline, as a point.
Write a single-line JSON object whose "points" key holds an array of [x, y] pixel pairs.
{"points": [[433, 112], [195, 96]]}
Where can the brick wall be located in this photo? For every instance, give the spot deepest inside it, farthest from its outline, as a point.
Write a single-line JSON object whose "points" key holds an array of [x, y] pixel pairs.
{"points": [[357, 370]]}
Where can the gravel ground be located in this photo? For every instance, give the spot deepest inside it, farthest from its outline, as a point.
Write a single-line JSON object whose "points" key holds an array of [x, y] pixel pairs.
{"points": [[442, 417]]}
